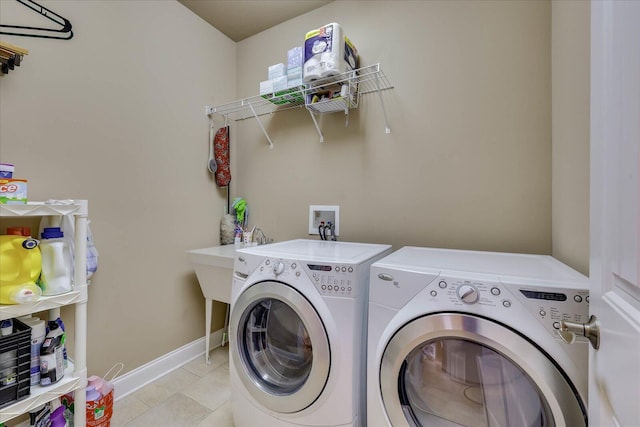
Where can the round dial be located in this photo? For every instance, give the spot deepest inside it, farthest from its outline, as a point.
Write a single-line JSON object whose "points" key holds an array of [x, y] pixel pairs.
{"points": [[278, 268], [468, 294]]}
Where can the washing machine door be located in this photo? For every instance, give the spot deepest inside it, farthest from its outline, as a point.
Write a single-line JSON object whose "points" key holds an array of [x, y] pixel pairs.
{"points": [[454, 369], [281, 353]]}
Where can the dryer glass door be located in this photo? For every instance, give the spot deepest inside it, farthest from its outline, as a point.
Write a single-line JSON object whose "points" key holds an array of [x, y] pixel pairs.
{"points": [[453, 369], [281, 348], [469, 385]]}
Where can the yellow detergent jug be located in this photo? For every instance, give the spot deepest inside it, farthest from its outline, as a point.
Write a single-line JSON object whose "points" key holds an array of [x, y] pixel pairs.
{"points": [[20, 267]]}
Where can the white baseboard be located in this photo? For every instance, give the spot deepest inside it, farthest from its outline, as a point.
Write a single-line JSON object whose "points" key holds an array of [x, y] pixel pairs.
{"points": [[149, 372]]}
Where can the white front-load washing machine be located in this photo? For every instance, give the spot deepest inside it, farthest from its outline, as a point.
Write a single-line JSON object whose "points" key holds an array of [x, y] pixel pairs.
{"points": [[297, 333], [466, 338]]}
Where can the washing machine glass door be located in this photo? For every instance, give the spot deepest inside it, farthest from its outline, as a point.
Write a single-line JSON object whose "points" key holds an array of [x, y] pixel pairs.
{"points": [[281, 347], [461, 370]]}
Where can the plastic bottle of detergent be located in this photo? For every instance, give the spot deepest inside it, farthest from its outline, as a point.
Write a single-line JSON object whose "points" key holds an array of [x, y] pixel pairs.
{"points": [[51, 357], [56, 262], [21, 263], [93, 403], [57, 418]]}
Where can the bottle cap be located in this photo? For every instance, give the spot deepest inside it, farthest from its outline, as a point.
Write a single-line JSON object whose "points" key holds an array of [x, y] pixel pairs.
{"points": [[96, 382], [6, 327], [52, 233], [92, 394], [19, 231], [14, 231]]}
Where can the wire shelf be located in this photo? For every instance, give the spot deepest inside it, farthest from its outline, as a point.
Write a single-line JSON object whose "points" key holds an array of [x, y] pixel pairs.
{"points": [[260, 105], [361, 81]]}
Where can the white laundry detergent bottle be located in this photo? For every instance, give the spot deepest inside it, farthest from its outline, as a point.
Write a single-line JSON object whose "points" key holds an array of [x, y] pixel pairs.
{"points": [[56, 262]]}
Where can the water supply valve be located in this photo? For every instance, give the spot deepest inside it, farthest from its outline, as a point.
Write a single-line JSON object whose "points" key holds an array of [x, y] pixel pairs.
{"points": [[589, 330]]}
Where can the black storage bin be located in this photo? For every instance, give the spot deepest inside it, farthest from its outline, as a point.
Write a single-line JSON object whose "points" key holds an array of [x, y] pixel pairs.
{"points": [[15, 362]]}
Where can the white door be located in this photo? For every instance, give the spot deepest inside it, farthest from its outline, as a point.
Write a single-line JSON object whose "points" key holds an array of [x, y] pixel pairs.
{"points": [[614, 377]]}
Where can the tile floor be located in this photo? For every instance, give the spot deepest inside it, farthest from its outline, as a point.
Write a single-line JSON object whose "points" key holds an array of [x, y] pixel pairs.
{"points": [[195, 395]]}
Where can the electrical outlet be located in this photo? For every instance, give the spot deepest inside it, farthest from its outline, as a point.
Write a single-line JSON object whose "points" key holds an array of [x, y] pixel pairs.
{"points": [[208, 110], [324, 213]]}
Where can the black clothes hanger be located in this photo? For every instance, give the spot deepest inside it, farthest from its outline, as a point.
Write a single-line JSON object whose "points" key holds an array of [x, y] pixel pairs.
{"points": [[65, 31]]}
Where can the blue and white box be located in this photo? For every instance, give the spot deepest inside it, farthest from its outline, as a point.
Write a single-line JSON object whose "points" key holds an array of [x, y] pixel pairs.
{"points": [[294, 58]]}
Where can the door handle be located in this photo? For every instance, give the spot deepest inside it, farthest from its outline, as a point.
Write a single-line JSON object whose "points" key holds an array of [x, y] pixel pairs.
{"points": [[589, 330]]}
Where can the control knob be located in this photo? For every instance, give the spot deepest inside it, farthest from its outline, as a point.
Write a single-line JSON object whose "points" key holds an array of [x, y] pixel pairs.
{"points": [[468, 294], [278, 268]]}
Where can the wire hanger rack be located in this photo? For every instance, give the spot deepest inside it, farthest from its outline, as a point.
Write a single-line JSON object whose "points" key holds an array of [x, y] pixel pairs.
{"points": [[10, 57], [62, 33]]}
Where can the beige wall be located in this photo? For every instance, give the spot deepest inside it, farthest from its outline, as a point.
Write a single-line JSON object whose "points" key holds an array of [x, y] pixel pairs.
{"points": [[468, 161], [116, 116], [570, 105]]}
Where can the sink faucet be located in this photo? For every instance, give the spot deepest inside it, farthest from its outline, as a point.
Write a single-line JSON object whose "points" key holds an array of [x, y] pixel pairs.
{"points": [[260, 237]]}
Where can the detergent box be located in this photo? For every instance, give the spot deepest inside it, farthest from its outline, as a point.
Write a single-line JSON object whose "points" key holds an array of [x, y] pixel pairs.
{"points": [[13, 191]]}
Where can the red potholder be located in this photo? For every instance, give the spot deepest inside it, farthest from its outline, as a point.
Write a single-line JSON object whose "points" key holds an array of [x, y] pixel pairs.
{"points": [[221, 154]]}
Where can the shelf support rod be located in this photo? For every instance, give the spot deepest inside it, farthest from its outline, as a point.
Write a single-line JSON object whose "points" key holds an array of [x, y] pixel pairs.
{"points": [[261, 126], [315, 122], [384, 111]]}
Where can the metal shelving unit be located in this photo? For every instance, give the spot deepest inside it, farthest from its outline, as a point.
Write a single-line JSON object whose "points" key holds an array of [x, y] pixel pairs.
{"points": [[365, 80], [75, 377]]}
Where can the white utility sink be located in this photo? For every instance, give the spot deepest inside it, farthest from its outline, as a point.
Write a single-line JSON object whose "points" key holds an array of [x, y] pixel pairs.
{"points": [[214, 269]]}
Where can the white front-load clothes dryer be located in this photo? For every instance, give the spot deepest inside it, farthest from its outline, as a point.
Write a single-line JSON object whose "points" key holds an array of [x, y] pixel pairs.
{"points": [[297, 333], [466, 338]]}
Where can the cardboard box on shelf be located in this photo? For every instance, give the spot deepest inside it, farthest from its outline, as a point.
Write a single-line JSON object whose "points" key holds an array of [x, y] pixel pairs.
{"points": [[276, 70], [13, 191]]}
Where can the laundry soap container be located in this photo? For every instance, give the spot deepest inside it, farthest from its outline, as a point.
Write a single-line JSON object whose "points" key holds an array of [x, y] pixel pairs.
{"points": [[21, 263], [56, 262]]}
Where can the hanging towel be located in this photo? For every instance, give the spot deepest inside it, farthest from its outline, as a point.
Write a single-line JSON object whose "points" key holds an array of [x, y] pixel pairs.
{"points": [[221, 154]]}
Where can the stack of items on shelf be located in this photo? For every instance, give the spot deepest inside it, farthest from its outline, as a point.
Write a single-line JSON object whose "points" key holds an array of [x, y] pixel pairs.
{"points": [[31, 354], [34, 369], [10, 57], [284, 83], [328, 54], [31, 268], [315, 71]]}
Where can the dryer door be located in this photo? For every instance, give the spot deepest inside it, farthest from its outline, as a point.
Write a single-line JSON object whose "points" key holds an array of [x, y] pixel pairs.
{"points": [[453, 369], [281, 347]]}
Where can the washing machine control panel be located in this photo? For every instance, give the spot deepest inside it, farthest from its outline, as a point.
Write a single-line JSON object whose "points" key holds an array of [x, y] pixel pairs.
{"points": [[337, 280], [549, 305], [333, 279]]}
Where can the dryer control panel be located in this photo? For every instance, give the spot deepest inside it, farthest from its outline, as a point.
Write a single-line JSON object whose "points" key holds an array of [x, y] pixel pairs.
{"points": [[549, 305]]}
